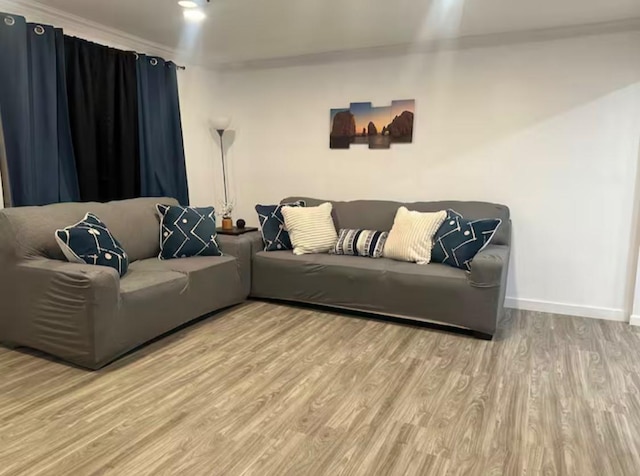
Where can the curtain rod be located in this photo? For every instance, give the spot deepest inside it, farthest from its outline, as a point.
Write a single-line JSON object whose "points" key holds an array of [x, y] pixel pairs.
{"points": [[178, 66]]}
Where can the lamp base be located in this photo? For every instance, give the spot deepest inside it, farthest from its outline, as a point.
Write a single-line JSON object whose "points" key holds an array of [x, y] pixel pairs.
{"points": [[227, 224]]}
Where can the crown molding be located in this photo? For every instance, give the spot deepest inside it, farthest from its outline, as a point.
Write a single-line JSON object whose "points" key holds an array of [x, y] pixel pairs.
{"points": [[35, 11], [38, 12], [460, 43]]}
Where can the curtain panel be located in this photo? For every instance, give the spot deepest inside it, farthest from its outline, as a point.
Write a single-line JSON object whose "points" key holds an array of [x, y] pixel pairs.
{"points": [[103, 106], [40, 165], [162, 160]]}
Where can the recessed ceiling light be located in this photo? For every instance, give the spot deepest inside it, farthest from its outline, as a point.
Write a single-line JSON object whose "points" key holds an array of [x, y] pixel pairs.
{"points": [[187, 4], [194, 15]]}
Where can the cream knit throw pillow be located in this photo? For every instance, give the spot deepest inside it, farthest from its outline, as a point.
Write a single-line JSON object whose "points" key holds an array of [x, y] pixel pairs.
{"points": [[411, 238], [311, 229]]}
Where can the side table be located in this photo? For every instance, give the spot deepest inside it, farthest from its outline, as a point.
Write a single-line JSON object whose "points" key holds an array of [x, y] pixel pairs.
{"points": [[235, 231]]}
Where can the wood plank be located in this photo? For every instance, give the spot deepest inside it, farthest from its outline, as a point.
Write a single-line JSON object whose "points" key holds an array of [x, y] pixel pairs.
{"points": [[273, 389]]}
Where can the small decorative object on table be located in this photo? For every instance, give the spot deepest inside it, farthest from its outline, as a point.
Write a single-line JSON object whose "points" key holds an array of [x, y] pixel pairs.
{"points": [[240, 224], [227, 223]]}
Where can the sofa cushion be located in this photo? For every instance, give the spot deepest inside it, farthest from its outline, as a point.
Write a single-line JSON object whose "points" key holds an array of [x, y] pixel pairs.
{"points": [[187, 232], [311, 229], [161, 282], [274, 232], [90, 242], [207, 277], [411, 237], [459, 240], [351, 265], [367, 243], [187, 266]]}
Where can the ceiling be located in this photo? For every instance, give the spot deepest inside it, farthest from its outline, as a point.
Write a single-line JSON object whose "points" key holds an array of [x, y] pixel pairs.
{"points": [[257, 30]]}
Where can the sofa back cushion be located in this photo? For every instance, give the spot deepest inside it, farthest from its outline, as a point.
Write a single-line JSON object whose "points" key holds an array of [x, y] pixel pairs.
{"points": [[379, 214], [29, 232]]}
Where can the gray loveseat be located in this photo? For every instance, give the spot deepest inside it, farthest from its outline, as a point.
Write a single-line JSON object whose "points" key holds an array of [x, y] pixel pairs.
{"points": [[86, 314], [434, 292]]}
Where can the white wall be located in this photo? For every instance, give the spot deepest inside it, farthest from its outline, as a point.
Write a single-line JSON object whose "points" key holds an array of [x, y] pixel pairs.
{"points": [[551, 129], [198, 99]]}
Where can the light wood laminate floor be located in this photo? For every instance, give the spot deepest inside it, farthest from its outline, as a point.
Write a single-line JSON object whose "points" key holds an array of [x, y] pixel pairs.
{"points": [[271, 389]]}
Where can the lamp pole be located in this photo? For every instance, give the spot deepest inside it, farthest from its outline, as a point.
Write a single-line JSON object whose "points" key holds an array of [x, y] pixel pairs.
{"points": [[220, 125], [224, 169]]}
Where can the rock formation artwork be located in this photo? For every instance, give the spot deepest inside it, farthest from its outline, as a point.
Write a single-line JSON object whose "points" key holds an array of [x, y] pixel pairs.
{"points": [[378, 127], [343, 128], [401, 128]]}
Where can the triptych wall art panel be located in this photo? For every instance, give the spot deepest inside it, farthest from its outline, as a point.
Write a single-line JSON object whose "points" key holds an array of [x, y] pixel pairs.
{"points": [[378, 127]]}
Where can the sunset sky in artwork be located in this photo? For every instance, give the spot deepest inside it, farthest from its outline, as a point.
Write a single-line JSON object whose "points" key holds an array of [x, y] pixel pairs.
{"points": [[398, 107], [365, 113]]}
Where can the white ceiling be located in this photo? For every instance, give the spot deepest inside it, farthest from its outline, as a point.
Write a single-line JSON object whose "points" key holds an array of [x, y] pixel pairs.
{"points": [[250, 30]]}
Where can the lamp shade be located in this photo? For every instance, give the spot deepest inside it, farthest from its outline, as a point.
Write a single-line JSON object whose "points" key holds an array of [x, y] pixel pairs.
{"points": [[220, 123]]}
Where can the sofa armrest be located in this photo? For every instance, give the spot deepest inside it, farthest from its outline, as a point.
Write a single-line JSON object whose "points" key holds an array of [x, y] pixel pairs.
{"points": [[243, 248], [489, 267], [59, 307]]}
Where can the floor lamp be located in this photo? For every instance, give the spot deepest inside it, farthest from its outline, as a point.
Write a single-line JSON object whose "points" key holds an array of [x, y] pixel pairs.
{"points": [[220, 125]]}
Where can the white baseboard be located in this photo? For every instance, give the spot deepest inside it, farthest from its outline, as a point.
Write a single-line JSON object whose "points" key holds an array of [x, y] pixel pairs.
{"points": [[610, 314], [635, 320]]}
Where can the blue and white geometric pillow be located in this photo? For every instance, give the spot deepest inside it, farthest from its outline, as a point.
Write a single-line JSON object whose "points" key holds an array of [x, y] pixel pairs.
{"points": [[367, 243], [459, 240], [90, 242], [274, 232], [187, 231]]}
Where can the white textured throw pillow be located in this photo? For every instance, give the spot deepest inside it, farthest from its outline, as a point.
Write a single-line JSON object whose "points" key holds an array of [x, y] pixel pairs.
{"points": [[311, 229], [411, 238]]}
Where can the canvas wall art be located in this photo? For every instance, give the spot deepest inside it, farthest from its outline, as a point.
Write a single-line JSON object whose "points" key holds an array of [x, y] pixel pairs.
{"points": [[377, 127]]}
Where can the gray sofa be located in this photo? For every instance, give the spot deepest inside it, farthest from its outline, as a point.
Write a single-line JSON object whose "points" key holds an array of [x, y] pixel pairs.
{"points": [[86, 314], [434, 292]]}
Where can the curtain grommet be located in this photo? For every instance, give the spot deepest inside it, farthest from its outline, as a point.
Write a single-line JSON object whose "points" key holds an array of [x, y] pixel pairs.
{"points": [[39, 29], [9, 21], [153, 62], [136, 55]]}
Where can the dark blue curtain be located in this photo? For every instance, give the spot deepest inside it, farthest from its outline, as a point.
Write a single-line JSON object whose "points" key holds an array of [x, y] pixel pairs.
{"points": [[33, 103], [162, 163]]}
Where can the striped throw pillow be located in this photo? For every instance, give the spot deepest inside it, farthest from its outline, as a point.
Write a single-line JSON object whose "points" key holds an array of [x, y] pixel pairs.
{"points": [[311, 229], [368, 243], [411, 238]]}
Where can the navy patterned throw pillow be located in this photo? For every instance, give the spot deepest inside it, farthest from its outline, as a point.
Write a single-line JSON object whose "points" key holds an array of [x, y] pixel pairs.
{"points": [[367, 243], [274, 232], [90, 242], [187, 231], [459, 240]]}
